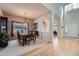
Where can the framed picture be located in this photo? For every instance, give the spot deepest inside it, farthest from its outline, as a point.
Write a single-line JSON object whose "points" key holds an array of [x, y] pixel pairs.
{"points": [[18, 26]]}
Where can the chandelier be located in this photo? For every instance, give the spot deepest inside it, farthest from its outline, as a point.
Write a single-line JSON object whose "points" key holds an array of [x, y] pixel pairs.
{"points": [[25, 16]]}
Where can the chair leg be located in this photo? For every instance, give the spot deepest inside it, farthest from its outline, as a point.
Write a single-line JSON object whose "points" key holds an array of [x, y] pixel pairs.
{"points": [[23, 43], [28, 43], [33, 42], [35, 39]]}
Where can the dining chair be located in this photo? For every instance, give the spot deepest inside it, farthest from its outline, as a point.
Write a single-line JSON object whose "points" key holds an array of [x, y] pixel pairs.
{"points": [[20, 40]]}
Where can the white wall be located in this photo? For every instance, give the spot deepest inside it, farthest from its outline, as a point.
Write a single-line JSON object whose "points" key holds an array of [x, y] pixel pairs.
{"points": [[47, 35], [72, 19], [56, 8]]}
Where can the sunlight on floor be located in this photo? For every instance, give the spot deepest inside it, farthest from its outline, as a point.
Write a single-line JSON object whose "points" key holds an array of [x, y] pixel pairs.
{"points": [[58, 47], [55, 42]]}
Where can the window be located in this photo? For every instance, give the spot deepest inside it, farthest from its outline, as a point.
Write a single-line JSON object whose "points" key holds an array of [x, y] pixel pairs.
{"points": [[70, 7], [75, 6]]}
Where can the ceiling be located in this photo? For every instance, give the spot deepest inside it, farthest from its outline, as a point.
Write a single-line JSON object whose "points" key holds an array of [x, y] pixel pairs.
{"points": [[32, 10]]}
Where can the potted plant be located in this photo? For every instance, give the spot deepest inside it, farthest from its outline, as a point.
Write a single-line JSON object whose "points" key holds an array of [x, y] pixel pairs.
{"points": [[3, 40]]}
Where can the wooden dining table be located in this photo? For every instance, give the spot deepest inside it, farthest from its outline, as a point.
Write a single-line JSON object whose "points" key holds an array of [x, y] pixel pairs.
{"points": [[26, 38]]}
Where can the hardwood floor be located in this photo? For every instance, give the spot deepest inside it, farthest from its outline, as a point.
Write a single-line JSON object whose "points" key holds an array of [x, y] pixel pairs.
{"points": [[58, 47]]}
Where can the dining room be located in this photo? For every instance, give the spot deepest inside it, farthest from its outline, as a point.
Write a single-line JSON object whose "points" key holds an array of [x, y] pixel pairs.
{"points": [[22, 27]]}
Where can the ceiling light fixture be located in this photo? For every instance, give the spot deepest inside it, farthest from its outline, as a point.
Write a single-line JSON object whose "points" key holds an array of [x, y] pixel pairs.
{"points": [[25, 16]]}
